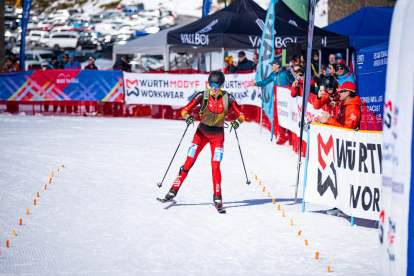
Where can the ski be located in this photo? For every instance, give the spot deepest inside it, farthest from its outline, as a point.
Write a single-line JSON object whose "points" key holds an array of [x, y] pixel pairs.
{"points": [[221, 211], [165, 201]]}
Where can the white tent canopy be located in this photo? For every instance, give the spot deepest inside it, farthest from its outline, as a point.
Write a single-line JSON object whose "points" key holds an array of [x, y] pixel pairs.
{"points": [[153, 44]]}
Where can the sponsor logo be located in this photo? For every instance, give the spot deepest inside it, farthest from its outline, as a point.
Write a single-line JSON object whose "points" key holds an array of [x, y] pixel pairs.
{"points": [[324, 185], [192, 150], [177, 182], [128, 83], [217, 188], [360, 59], [66, 79], [293, 22], [199, 38], [353, 117], [208, 28]]}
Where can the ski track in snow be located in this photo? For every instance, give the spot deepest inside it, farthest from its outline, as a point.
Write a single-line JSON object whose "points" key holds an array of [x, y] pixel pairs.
{"points": [[99, 215]]}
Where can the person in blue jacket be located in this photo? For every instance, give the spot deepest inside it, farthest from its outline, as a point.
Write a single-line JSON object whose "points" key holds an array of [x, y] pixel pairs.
{"points": [[73, 63], [344, 74], [278, 76]]}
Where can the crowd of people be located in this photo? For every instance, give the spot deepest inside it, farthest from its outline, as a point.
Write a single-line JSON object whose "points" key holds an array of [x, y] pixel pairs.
{"points": [[333, 88]]}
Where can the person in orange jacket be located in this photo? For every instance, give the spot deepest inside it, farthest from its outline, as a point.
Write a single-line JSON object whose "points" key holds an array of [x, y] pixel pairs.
{"points": [[349, 112]]}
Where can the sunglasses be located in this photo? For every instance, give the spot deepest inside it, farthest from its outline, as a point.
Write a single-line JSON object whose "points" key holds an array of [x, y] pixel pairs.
{"points": [[343, 91], [299, 75], [338, 58], [215, 85], [341, 69]]}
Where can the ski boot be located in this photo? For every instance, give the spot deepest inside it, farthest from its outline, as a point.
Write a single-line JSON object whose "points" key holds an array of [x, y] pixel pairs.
{"points": [[169, 197], [218, 203]]}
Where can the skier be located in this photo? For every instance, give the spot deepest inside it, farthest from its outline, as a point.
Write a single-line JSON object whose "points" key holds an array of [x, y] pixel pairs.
{"points": [[214, 104]]}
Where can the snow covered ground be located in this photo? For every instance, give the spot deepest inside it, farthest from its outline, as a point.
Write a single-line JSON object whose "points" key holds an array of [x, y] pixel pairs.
{"points": [[99, 215]]}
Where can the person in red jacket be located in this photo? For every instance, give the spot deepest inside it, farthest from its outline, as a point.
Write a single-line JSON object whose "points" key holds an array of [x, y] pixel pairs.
{"points": [[214, 109], [349, 112], [328, 96], [297, 85]]}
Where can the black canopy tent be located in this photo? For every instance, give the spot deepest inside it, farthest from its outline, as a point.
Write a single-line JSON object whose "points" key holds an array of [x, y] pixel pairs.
{"points": [[240, 26]]}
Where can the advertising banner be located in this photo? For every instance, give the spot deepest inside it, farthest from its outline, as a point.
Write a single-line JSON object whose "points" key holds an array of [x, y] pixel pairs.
{"points": [[62, 85], [180, 89], [344, 170], [289, 111]]}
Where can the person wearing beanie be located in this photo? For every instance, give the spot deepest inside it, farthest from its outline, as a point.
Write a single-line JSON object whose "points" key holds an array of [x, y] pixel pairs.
{"points": [[344, 74], [228, 61], [73, 64], [91, 65]]}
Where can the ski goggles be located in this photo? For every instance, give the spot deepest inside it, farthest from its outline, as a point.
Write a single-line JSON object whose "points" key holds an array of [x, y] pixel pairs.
{"points": [[215, 85]]}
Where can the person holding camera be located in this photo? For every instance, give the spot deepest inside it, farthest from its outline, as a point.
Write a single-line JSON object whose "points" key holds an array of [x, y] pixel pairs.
{"points": [[328, 95], [349, 113]]}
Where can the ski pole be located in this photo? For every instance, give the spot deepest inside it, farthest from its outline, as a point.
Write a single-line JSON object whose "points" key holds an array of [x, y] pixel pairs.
{"points": [[160, 184], [235, 132]]}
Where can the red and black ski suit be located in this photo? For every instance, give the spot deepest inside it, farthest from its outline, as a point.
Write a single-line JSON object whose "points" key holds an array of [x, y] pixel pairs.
{"points": [[210, 130]]}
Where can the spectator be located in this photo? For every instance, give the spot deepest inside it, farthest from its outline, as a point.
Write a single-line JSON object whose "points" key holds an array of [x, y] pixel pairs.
{"points": [[349, 113], [297, 85], [227, 63], [73, 63], [343, 73], [243, 65], [332, 61], [65, 60], [315, 64], [14, 61], [330, 70], [277, 76], [338, 57], [255, 61], [91, 65], [8, 67], [331, 98], [299, 68], [122, 64], [53, 64]]}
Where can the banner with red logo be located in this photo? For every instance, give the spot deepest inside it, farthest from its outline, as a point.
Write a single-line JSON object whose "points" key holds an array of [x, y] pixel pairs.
{"points": [[62, 85], [344, 170], [180, 89], [289, 111]]}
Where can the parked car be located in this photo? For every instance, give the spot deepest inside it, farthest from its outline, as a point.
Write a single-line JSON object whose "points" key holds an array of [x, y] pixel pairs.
{"points": [[82, 56], [150, 13], [36, 57], [97, 18], [63, 40], [60, 13], [167, 19], [91, 42], [34, 37]]}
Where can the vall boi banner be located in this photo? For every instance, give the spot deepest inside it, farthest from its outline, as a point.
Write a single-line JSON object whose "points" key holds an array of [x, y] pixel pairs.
{"points": [[344, 170], [266, 56], [180, 89]]}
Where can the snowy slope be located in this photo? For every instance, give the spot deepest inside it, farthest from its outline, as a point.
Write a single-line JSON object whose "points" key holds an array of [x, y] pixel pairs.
{"points": [[99, 215]]}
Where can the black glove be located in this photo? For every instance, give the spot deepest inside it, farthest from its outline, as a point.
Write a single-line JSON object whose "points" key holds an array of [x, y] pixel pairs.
{"points": [[235, 124], [189, 119]]}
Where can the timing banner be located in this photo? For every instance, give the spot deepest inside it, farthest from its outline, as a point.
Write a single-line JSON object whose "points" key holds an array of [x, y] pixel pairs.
{"points": [[62, 85], [289, 110], [344, 170], [180, 89]]}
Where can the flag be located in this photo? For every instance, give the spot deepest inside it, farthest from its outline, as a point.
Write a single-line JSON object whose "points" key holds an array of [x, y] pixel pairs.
{"points": [[266, 56], [206, 7], [311, 23], [27, 5]]}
